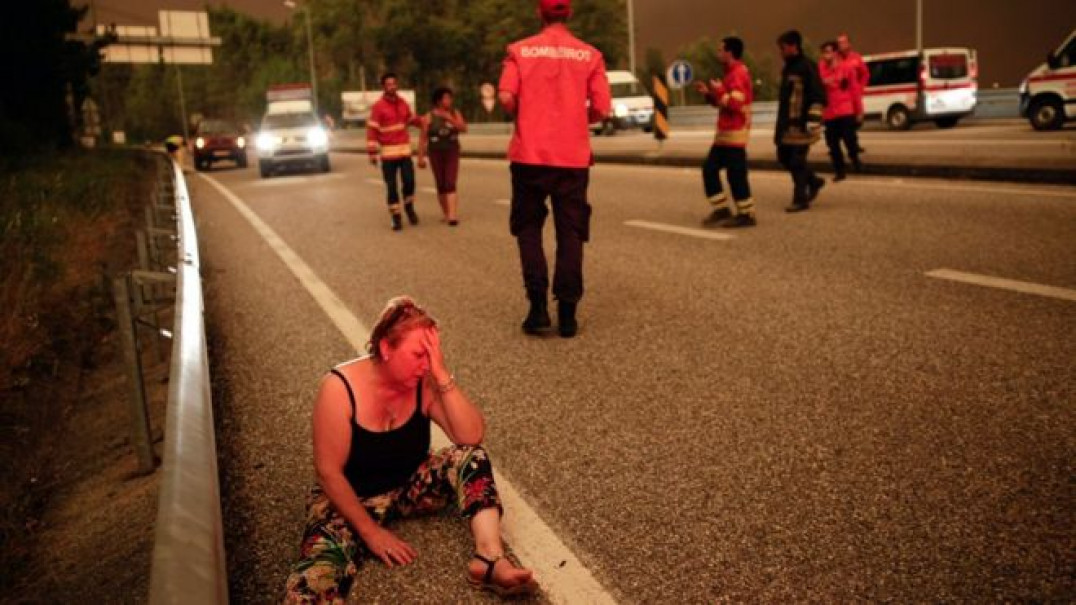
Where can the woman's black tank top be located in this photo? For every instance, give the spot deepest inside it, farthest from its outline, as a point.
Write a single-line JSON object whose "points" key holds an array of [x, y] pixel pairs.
{"points": [[379, 462], [442, 134]]}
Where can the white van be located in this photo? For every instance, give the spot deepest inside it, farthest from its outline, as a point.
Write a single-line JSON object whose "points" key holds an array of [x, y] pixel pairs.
{"points": [[1048, 94], [905, 88], [632, 105]]}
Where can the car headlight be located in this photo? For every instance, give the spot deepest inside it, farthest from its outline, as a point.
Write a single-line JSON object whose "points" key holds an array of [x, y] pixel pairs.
{"points": [[199, 142], [241, 142], [317, 137], [266, 142], [621, 110]]}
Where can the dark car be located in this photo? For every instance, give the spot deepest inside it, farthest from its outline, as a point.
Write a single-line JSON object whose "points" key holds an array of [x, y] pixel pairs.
{"points": [[217, 140]]}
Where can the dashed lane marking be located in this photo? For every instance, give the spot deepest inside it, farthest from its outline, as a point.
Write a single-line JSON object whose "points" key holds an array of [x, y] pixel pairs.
{"points": [[1004, 284], [503, 202], [375, 182], [699, 233], [562, 575], [428, 190]]}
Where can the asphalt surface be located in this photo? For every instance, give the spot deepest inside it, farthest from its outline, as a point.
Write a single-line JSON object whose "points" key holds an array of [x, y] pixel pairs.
{"points": [[1005, 150], [798, 413]]}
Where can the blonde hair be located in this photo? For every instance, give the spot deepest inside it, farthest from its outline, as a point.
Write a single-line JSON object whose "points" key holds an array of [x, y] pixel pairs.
{"points": [[400, 315]]}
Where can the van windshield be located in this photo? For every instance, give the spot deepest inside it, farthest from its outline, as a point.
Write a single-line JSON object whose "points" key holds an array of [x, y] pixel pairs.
{"points": [[948, 67], [625, 89], [288, 120]]}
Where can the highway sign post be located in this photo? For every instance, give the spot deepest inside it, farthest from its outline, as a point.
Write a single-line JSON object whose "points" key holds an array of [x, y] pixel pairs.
{"points": [[679, 76]]}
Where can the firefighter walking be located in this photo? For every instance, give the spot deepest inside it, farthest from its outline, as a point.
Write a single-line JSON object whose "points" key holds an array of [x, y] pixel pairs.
{"points": [[732, 95], [387, 137], [546, 83], [799, 119]]}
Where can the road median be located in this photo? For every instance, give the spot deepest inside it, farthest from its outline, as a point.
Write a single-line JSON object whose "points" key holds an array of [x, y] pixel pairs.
{"points": [[968, 167]]}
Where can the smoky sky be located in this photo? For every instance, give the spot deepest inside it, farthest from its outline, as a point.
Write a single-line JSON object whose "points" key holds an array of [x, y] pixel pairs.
{"points": [[1011, 36]]}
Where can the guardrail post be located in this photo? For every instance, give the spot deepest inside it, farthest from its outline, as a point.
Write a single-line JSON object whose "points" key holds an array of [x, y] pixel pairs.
{"points": [[140, 433]]}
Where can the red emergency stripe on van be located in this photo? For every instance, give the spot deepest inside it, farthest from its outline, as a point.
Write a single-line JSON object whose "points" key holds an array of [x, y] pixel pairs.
{"points": [[936, 87], [1053, 77], [891, 91], [908, 89]]}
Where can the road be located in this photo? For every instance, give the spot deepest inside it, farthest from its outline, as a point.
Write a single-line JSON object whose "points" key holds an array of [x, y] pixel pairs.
{"points": [[802, 411]]}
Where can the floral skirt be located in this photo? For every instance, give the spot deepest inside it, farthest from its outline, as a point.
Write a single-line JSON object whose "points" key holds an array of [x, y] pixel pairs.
{"points": [[331, 549]]}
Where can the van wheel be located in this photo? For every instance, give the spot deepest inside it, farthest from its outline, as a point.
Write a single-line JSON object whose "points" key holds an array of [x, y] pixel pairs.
{"points": [[898, 118], [265, 169], [324, 164], [1046, 114], [946, 122]]}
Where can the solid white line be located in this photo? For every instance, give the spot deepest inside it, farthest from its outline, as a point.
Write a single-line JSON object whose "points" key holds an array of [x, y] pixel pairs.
{"points": [[700, 233], [1004, 284], [561, 573]]}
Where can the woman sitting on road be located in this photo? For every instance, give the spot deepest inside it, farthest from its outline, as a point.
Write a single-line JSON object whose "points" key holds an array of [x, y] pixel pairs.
{"points": [[439, 139], [371, 453]]}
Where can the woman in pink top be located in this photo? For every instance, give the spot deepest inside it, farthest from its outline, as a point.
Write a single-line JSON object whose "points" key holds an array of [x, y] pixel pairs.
{"points": [[839, 115]]}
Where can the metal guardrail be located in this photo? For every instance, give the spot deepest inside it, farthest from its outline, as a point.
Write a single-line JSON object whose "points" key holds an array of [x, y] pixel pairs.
{"points": [[188, 552]]}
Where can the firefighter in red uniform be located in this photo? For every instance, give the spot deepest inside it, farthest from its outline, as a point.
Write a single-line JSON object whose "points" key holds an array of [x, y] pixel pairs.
{"points": [[386, 133], [732, 96], [855, 64], [839, 116], [546, 82]]}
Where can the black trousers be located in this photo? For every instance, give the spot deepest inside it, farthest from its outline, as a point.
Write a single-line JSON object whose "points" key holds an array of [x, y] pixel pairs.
{"points": [[734, 161], [406, 170], [794, 159], [567, 190], [842, 130]]}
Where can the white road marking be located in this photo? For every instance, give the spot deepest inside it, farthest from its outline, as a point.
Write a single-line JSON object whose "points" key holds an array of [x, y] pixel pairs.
{"points": [[503, 202], [700, 233], [1004, 284], [562, 575], [428, 190], [376, 182]]}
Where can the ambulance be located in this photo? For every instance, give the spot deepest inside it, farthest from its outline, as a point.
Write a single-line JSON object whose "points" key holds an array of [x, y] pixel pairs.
{"points": [[1048, 94], [940, 85]]}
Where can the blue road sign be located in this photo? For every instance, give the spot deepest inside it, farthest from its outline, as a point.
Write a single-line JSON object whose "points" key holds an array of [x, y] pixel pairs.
{"points": [[679, 74]]}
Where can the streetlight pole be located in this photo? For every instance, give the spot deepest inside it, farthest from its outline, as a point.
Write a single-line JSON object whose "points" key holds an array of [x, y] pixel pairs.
{"points": [[631, 36], [310, 49], [919, 26]]}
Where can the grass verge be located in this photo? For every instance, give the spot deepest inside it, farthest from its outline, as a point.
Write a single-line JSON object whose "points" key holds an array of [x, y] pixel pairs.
{"points": [[67, 224]]}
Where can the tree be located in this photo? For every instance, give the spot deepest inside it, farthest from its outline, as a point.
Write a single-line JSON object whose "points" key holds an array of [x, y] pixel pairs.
{"points": [[41, 68]]}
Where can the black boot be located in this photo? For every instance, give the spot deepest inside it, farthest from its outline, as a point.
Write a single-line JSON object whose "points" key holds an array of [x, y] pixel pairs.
{"points": [[813, 189], [411, 216], [537, 321], [566, 322], [397, 222], [717, 216]]}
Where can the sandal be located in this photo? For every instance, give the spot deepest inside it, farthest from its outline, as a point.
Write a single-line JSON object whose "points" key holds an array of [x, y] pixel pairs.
{"points": [[487, 583]]}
